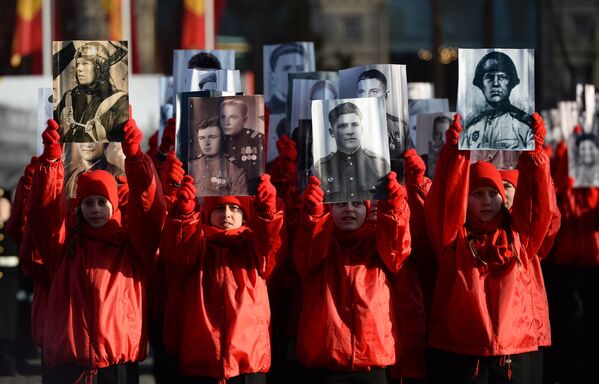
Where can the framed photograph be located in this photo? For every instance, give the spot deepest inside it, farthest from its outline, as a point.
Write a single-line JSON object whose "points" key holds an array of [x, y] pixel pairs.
{"points": [[583, 159], [279, 61], [350, 148], [496, 98], [82, 157], [389, 82], [91, 81], [226, 144], [431, 129]]}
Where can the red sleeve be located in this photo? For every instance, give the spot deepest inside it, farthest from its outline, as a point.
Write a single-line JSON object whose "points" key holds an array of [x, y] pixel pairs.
{"points": [[447, 202], [311, 243], [554, 225], [534, 201], [146, 209], [46, 211], [181, 242], [270, 237], [559, 168], [16, 222], [393, 235]]}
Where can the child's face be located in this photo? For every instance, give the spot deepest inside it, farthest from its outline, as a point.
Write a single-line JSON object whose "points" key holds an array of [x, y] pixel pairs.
{"points": [[226, 216], [96, 210], [510, 191], [484, 203], [349, 216]]}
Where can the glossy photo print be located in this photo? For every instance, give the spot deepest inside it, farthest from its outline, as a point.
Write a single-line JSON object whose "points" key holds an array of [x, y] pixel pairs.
{"points": [[226, 144], [431, 129], [496, 98], [350, 148], [91, 80]]}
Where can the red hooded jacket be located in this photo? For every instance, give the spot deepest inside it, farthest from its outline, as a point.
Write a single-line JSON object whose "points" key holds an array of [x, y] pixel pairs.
{"points": [[347, 321], [96, 303], [226, 316], [485, 307]]}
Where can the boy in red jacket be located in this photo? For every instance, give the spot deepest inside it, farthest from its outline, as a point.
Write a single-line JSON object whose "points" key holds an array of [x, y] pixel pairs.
{"points": [[483, 325], [223, 256], [94, 321], [347, 328]]}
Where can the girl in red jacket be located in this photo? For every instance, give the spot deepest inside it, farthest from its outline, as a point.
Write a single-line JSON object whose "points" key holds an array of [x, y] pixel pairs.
{"points": [[483, 326], [223, 256], [94, 322], [347, 329]]}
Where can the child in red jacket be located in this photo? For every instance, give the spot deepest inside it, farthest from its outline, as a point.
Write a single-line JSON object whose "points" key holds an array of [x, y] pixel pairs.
{"points": [[95, 316], [223, 256], [483, 326], [347, 329]]}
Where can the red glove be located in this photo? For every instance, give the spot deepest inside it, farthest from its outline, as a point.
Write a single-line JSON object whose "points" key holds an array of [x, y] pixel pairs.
{"points": [[313, 197], [173, 169], [186, 196], [122, 190], [578, 130], [395, 191], [452, 135], [267, 196], [133, 137], [51, 140], [287, 149], [538, 129], [167, 143], [414, 167]]}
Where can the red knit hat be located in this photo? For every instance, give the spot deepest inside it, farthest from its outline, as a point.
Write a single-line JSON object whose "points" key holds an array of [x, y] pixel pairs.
{"points": [[211, 202], [97, 183], [510, 175], [484, 174]]}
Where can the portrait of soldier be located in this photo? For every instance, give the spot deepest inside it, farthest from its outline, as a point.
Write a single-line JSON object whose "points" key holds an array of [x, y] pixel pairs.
{"points": [[352, 172], [286, 58], [373, 83], [91, 157], [586, 160], [213, 173], [94, 110], [242, 145], [440, 125], [500, 125], [204, 61]]}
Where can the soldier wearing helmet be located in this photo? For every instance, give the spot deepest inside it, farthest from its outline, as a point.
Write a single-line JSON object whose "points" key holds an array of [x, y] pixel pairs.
{"points": [[500, 125], [94, 110]]}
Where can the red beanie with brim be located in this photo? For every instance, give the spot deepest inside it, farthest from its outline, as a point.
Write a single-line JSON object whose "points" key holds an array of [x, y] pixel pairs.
{"points": [[510, 175], [97, 183], [484, 174], [211, 202]]}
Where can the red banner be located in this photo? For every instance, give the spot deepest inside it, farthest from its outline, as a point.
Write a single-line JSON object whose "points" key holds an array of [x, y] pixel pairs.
{"points": [[193, 35], [27, 38]]}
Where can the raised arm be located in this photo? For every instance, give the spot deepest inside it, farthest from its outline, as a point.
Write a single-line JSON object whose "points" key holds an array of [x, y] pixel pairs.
{"points": [[534, 201], [15, 224], [146, 209], [46, 208], [268, 227], [447, 202], [182, 242], [313, 231], [392, 227]]}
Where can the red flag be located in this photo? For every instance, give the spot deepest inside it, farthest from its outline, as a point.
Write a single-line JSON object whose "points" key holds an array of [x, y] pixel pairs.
{"points": [[193, 34], [114, 17], [27, 38]]}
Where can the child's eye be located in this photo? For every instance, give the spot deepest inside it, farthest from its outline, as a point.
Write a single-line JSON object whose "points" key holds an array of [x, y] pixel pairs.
{"points": [[493, 193]]}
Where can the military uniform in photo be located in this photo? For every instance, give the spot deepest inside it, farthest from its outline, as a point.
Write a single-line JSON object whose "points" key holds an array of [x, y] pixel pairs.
{"points": [[246, 151], [217, 176], [507, 128], [352, 177]]}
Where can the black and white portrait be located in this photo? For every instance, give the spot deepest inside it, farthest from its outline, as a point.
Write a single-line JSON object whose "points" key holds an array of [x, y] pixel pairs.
{"points": [[389, 82], [226, 144], [279, 62], [350, 148], [92, 82], [431, 129], [193, 70], [583, 159], [585, 101], [568, 117], [496, 98], [83, 157], [418, 106]]}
